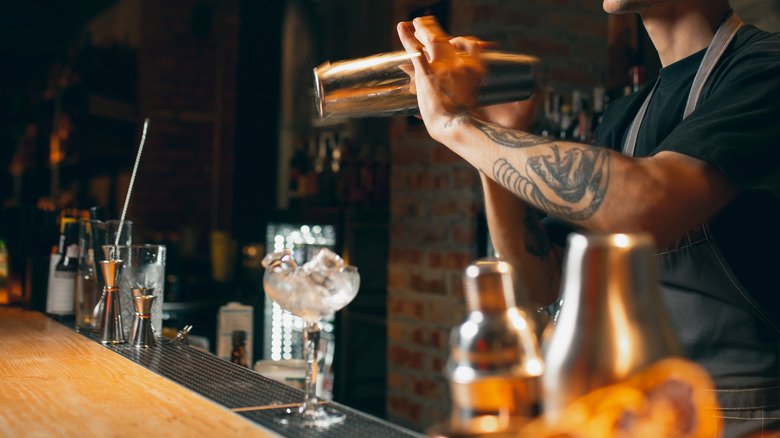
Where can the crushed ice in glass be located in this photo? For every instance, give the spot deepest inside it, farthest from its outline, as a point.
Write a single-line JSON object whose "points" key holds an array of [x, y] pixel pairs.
{"points": [[322, 286]]}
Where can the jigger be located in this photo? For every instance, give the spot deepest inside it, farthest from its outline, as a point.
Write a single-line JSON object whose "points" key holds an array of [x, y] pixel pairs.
{"points": [[111, 330], [143, 334]]}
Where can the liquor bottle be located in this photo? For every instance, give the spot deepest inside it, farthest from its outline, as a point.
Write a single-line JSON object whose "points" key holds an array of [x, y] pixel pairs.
{"points": [[495, 362], [325, 169], [581, 116], [314, 168], [238, 354], [567, 122], [599, 103], [637, 73], [3, 264], [61, 292], [549, 125], [298, 173]]}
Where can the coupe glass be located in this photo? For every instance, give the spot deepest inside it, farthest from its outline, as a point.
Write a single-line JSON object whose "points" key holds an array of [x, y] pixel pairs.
{"points": [[318, 288]]}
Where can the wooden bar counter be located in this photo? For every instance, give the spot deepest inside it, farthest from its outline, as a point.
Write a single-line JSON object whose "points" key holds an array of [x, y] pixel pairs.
{"points": [[55, 382], [58, 383]]}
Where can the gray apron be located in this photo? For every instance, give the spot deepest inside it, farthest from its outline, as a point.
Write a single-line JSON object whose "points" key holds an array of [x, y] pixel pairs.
{"points": [[727, 332]]}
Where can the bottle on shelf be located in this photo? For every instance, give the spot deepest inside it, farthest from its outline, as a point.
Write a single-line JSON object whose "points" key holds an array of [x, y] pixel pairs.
{"points": [[3, 263], [61, 291], [238, 354], [637, 77], [299, 171], [326, 171], [549, 125], [313, 170], [567, 122], [599, 103], [581, 117]]}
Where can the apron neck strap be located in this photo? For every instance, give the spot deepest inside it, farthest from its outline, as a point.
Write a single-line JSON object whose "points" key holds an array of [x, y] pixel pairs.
{"points": [[725, 33]]}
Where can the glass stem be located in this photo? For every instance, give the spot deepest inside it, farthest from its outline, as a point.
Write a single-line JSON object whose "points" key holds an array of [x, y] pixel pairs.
{"points": [[312, 341]]}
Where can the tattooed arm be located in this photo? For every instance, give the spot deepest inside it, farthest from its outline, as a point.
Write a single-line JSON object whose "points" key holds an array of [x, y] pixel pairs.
{"points": [[666, 194], [593, 187], [519, 237], [516, 230]]}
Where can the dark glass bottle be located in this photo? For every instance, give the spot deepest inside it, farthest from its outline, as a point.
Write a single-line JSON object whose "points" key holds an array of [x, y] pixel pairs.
{"points": [[61, 292], [238, 355]]}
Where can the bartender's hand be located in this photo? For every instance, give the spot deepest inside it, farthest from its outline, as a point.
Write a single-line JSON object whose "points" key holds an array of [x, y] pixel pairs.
{"points": [[446, 79], [446, 83]]}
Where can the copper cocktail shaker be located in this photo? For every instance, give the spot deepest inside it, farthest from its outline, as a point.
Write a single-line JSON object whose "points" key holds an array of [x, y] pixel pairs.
{"points": [[376, 86]]}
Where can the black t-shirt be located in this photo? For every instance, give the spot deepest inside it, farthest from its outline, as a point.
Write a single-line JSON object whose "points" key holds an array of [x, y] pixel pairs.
{"points": [[736, 127]]}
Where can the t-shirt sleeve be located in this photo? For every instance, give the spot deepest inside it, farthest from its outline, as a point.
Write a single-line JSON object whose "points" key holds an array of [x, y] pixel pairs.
{"points": [[736, 124]]}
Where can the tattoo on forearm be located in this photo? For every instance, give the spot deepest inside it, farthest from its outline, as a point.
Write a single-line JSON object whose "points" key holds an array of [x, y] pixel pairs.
{"points": [[510, 138], [570, 185]]}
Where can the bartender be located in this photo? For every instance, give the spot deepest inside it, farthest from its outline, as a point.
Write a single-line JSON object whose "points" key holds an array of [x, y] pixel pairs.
{"points": [[692, 158]]}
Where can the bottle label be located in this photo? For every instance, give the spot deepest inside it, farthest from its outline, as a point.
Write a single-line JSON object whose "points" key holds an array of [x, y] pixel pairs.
{"points": [[61, 296], [72, 251]]}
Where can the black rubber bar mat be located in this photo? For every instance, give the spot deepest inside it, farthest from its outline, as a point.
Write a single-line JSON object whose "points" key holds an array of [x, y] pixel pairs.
{"points": [[247, 392]]}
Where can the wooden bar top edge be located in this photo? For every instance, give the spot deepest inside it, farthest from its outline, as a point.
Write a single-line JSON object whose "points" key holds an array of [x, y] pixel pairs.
{"points": [[56, 382]]}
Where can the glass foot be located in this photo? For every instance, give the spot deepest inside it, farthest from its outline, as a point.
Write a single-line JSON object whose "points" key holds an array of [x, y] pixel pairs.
{"points": [[322, 416]]}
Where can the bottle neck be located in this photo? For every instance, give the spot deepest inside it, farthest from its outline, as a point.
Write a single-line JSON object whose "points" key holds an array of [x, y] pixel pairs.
{"points": [[489, 287], [62, 245]]}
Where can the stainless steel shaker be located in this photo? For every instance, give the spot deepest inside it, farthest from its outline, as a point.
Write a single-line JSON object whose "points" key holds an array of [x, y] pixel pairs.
{"points": [[376, 86], [495, 360], [611, 322]]}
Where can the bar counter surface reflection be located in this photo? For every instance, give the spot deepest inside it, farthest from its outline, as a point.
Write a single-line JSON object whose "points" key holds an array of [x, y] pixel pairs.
{"points": [[59, 383]]}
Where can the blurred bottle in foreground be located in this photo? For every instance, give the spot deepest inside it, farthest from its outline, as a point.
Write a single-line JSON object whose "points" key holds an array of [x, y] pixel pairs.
{"points": [[495, 361]]}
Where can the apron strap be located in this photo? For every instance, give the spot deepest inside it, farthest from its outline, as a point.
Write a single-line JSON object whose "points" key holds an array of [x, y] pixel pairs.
{"points": [[633, 132], [725, 33]]}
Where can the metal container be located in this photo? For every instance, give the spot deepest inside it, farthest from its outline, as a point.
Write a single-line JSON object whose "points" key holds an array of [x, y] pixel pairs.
{"points": [[143, 333], [111, 328], [376, 86], [611, 323], [495, 360]]}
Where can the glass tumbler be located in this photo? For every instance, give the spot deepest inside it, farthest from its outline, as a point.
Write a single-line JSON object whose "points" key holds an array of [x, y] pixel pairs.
{"points": [[143, 273], [93, 234]]}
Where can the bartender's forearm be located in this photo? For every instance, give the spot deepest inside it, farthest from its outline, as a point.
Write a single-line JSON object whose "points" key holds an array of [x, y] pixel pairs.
{"points": [[592, 187], [519, 237]]}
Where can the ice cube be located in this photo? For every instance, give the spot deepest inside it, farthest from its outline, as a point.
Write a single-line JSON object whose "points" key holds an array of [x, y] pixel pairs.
{"points": [[319, 287], [323, 265]]}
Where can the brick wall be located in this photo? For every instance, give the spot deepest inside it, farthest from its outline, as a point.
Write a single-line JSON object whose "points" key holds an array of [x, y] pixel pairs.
{"points": [[187, 87], [436, 197]]}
